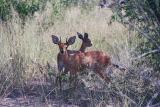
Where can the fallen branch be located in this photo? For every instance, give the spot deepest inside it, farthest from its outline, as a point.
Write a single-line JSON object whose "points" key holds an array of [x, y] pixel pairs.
{"points": [[123, 95]]}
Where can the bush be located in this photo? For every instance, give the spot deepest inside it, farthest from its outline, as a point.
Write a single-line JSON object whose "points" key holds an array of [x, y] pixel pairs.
{"points": [[23, 8], [143, 17], [5, 10]]}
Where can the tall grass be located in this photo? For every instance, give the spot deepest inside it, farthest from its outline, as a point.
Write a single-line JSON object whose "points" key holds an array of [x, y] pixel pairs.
{"points": [[33, 40], [25, 49]]}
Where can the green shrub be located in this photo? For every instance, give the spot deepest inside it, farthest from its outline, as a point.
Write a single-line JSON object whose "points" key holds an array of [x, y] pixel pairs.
{"points": [[5, 9], [143, 17], [23, 8]]}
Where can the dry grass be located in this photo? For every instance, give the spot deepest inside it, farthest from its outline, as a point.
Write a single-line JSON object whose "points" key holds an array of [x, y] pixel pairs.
{"points": [[25, 50], [33, 40]]}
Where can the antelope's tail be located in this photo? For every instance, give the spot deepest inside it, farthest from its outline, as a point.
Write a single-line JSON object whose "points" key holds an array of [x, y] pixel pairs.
{"points": [[118, 67]]}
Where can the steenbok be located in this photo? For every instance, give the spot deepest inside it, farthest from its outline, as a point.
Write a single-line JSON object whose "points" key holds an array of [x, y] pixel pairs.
{"points": [[96, 61], [86, 42]]}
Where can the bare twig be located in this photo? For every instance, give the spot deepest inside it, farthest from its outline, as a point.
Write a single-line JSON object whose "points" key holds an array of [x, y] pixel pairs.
{"points": [[144, 35], [149, 38], [147, 53], [151, 100], [155, 105]]}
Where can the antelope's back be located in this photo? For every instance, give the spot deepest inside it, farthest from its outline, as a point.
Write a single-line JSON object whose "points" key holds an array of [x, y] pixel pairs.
{"points": [[97, 57]]}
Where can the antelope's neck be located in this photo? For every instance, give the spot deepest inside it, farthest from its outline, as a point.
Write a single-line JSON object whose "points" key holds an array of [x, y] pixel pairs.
{"points": [[82, 48], [66, 55]]}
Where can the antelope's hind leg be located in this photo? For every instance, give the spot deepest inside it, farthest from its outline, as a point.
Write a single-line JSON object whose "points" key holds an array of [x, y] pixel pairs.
{"points": [[100, 71]]}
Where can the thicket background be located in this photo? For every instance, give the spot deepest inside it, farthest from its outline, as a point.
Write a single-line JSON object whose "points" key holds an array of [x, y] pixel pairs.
{"points": [[130, 33]]}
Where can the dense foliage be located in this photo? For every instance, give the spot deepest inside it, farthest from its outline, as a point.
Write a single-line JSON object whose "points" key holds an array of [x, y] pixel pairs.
{"points": [[23, 8], [143, 16], [28, 7]]}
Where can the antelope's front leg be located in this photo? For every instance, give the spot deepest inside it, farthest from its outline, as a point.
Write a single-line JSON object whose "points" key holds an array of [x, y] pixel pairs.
{"points": [[73, 79], [60, 70], [59, 81]]}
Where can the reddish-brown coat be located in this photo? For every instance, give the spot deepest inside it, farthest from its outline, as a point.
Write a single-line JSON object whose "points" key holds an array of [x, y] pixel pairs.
{"points": [[94, 60], [74, 63]]}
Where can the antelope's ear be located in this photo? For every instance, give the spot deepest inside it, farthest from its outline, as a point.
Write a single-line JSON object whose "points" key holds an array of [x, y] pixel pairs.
{"points": [[55, 39], [71, 40], [85, 35], [80, 35]]}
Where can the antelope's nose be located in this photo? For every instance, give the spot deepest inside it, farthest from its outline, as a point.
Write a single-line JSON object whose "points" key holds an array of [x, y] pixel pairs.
{"points": [[62, 51], [90, 44]]}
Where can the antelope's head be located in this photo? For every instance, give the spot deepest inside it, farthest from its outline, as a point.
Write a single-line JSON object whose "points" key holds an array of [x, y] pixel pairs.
{"points": [[63, 46], [85, 40]]}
